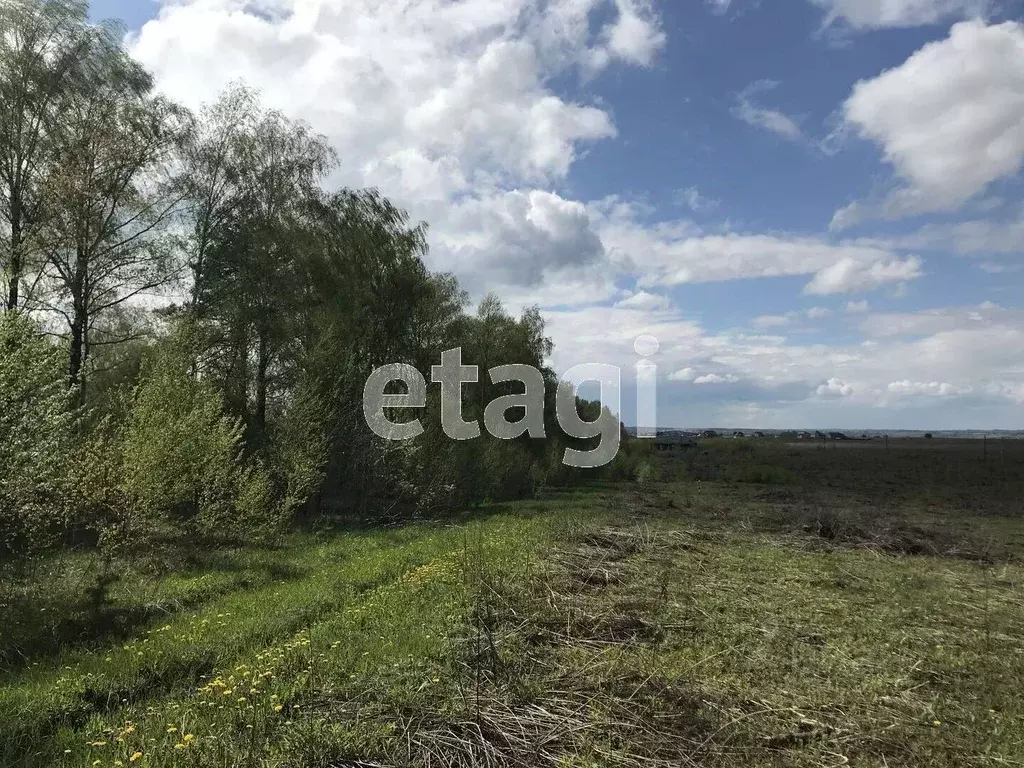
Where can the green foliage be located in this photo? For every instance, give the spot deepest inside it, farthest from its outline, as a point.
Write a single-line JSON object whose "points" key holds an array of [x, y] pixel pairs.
{"points": [[36, 436], [184, 471]]}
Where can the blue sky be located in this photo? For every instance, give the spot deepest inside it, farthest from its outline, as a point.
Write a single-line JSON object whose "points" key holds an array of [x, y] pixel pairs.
{"points": [[815, 205]]}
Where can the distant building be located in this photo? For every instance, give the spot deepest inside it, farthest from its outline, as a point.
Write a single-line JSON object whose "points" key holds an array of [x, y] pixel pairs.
{"points": [[737, 433], [759, 434], [837, 436], [708, 434]]}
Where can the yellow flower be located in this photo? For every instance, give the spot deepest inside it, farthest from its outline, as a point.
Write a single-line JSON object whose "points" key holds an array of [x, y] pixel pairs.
{"points": [[189, 738], [172, 729], [134, 757], [278, 708], [179, 746], [936, 723]]}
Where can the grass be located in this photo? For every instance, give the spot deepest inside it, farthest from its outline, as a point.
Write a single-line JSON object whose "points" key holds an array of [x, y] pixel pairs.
{"points": [[730, 609]]}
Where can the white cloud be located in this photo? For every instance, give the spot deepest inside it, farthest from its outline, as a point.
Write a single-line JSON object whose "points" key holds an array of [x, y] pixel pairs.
{"points": [[515, 238], [677, 252], [683, 374], [950, 120], [849, 275], [817, 313], [835, 388], [719, 7], [930, 389], [855, 307], [444, 105], [636, 36], [771, 120], [869, 14], [644, 300], [714, 378], [981, 362]]}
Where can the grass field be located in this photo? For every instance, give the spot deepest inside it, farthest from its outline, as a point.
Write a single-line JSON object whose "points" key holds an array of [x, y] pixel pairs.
{"points": [[751, 603]]}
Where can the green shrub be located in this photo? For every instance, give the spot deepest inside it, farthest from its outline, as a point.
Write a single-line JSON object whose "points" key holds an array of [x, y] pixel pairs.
{"points": [[184, 470], [36, 436]]}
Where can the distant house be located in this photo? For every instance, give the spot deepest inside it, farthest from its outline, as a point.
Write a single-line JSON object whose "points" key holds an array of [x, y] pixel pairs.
{"points": [[759, 434], [819, 436], [837, 436], [737, 433], [708, 434]]}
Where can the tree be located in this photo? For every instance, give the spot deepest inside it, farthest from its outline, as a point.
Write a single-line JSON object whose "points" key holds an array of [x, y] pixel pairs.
{"points": [[249, 278], [106, 236], [46, 52]]}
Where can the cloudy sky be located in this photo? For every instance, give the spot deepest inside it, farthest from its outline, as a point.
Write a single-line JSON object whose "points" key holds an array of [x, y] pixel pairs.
{"points": [[814, 205]]}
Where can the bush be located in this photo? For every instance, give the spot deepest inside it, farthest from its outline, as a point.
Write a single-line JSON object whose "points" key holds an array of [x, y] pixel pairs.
{"points": [[184, 471], [36, 436]]}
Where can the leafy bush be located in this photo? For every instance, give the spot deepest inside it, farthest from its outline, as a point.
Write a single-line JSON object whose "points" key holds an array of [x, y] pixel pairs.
{"points": [[36, 436], [183, 464]]}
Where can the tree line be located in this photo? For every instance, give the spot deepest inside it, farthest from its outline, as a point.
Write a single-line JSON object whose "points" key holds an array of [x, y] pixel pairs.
{"points": [[191, 312]]}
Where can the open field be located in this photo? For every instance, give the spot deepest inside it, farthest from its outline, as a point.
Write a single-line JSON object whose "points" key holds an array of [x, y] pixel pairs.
{"points": [[752, 603]]}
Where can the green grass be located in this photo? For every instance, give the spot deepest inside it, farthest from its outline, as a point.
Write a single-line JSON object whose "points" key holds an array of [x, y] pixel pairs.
{"points": [[676, 621]]}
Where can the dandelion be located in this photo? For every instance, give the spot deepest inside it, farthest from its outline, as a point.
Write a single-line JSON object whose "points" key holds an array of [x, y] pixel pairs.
{"points": [[278, 707], [135, 756], [172, 729], [188, 738], [936, 723]]}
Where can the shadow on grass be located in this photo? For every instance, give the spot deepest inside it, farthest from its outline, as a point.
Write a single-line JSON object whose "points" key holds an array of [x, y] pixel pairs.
{"points": [[44, 620]]}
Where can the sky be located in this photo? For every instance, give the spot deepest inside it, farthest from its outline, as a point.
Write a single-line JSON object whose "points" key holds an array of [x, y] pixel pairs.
{"points": [[815, 206]]}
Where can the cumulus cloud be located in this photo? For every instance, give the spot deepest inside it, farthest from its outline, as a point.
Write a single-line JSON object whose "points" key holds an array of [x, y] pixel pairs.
{"points": [[835, 388], [683, 374], [856, 307], [516, 238], [950, 120], [873, 14], [444, 105]]}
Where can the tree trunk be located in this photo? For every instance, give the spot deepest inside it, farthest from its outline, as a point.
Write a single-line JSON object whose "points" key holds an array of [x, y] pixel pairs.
{"points": [[262, 364], [16, 256], [79, 325]]}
